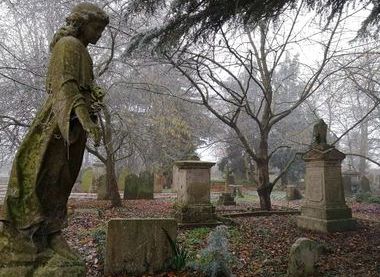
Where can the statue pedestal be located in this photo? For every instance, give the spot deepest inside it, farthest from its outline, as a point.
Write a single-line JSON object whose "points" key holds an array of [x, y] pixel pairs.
{"points": [[20, 257], [192, 182], [324, 208]]}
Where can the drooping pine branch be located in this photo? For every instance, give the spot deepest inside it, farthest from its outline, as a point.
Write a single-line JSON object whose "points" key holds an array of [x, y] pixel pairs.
{"points": [[198, 19]]}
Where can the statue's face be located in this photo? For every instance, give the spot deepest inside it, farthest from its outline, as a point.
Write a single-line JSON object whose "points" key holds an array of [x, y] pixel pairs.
{"points": [[92, 31]]}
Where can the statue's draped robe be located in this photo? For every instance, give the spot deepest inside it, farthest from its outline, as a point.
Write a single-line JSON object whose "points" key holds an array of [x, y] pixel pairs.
{"points": [[48, 161]]}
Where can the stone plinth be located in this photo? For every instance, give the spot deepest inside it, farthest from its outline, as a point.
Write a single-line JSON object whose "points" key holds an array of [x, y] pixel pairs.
{"points": [[137, 246], [192, 182], [324, 208], [20, 257]]}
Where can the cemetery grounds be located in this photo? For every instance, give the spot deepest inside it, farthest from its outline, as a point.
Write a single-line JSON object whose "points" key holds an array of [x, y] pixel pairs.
{"points": [[257, 245]]}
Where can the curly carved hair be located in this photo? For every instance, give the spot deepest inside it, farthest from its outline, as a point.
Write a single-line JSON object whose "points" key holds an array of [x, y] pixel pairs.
{"points": [[80, 15]]}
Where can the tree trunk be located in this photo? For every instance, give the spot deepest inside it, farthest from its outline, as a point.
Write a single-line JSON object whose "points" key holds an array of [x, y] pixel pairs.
{"points": [[112, 188], [111, 184], [265, 187], [363, 146]]}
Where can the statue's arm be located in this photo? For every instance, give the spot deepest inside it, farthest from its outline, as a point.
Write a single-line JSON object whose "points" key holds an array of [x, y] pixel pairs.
{"points": [[81, 110], [88, 125]]}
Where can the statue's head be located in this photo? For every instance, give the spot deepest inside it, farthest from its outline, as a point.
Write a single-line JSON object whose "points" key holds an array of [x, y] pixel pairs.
{"points": [[81, 16], [85, 13]]}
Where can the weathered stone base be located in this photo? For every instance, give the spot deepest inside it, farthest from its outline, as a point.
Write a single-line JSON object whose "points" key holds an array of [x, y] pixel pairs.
{"points": [[16, 271], [331, 219], [327, 213], [19, 257], [226, 199], [59, 266], [327, 226], [197, 214]]}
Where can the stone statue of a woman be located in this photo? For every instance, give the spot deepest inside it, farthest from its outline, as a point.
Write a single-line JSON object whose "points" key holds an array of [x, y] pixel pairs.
{"points": [[49, 158]]}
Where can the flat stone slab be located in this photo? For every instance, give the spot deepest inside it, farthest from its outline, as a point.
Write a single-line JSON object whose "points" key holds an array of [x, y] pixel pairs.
{"points": [[137, 246], [260, 213]]}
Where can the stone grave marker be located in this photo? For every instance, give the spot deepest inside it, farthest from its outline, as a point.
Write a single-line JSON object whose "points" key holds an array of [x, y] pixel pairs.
{"points": [[347, 185], [364, 184], [136, 246], [101, 185], [324, 207], [303, 256], [293, 193], [193, 192], [159, 182], [139, 187]]}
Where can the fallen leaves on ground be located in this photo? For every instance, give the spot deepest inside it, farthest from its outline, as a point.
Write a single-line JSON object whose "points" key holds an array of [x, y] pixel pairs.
{"points": [[260, 244]]}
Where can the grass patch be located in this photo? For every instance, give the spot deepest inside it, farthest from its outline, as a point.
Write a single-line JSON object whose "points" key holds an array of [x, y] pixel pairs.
{"points": [[86, 180], [367, 197]]}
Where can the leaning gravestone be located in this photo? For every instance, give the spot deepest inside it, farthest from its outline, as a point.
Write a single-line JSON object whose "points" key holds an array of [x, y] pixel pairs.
{"points": [[121, 178], [101, 185], [324, 207], [293, 193], [347, 185], [159, 182], [303, 256], [193, 192], [139, 187], [364, 184], [136, 246], [98, 170]]}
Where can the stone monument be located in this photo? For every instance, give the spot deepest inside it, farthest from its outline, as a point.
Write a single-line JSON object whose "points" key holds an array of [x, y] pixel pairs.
{"points": [[227, 198], [48, 160], [139, 187], [324, 207], [193, 192], [139, 245]]}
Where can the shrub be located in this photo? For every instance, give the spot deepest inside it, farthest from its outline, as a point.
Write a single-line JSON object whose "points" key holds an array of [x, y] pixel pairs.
{"points": [[367, 197], [215, 260], [180, 256]]}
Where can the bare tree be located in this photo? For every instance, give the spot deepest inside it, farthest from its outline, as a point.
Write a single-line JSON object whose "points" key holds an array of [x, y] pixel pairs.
{"points": [[251, 59]]}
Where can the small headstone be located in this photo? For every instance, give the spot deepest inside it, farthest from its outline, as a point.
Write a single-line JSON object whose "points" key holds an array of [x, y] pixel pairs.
{"points": [[139, 187], [101, 184], [137, 246], [293, 193], [226, 199], [364, 184], [159, 182], [303, 256], [146, 186], [121, 179], [347, 185]]}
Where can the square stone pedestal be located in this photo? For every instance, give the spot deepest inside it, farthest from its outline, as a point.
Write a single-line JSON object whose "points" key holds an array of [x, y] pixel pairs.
{"points": [[324, 208], [191, 179]]}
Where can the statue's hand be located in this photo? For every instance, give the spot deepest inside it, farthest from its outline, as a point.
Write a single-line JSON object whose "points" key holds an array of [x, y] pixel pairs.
{"points": [[88, 125], [94, 132]]}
